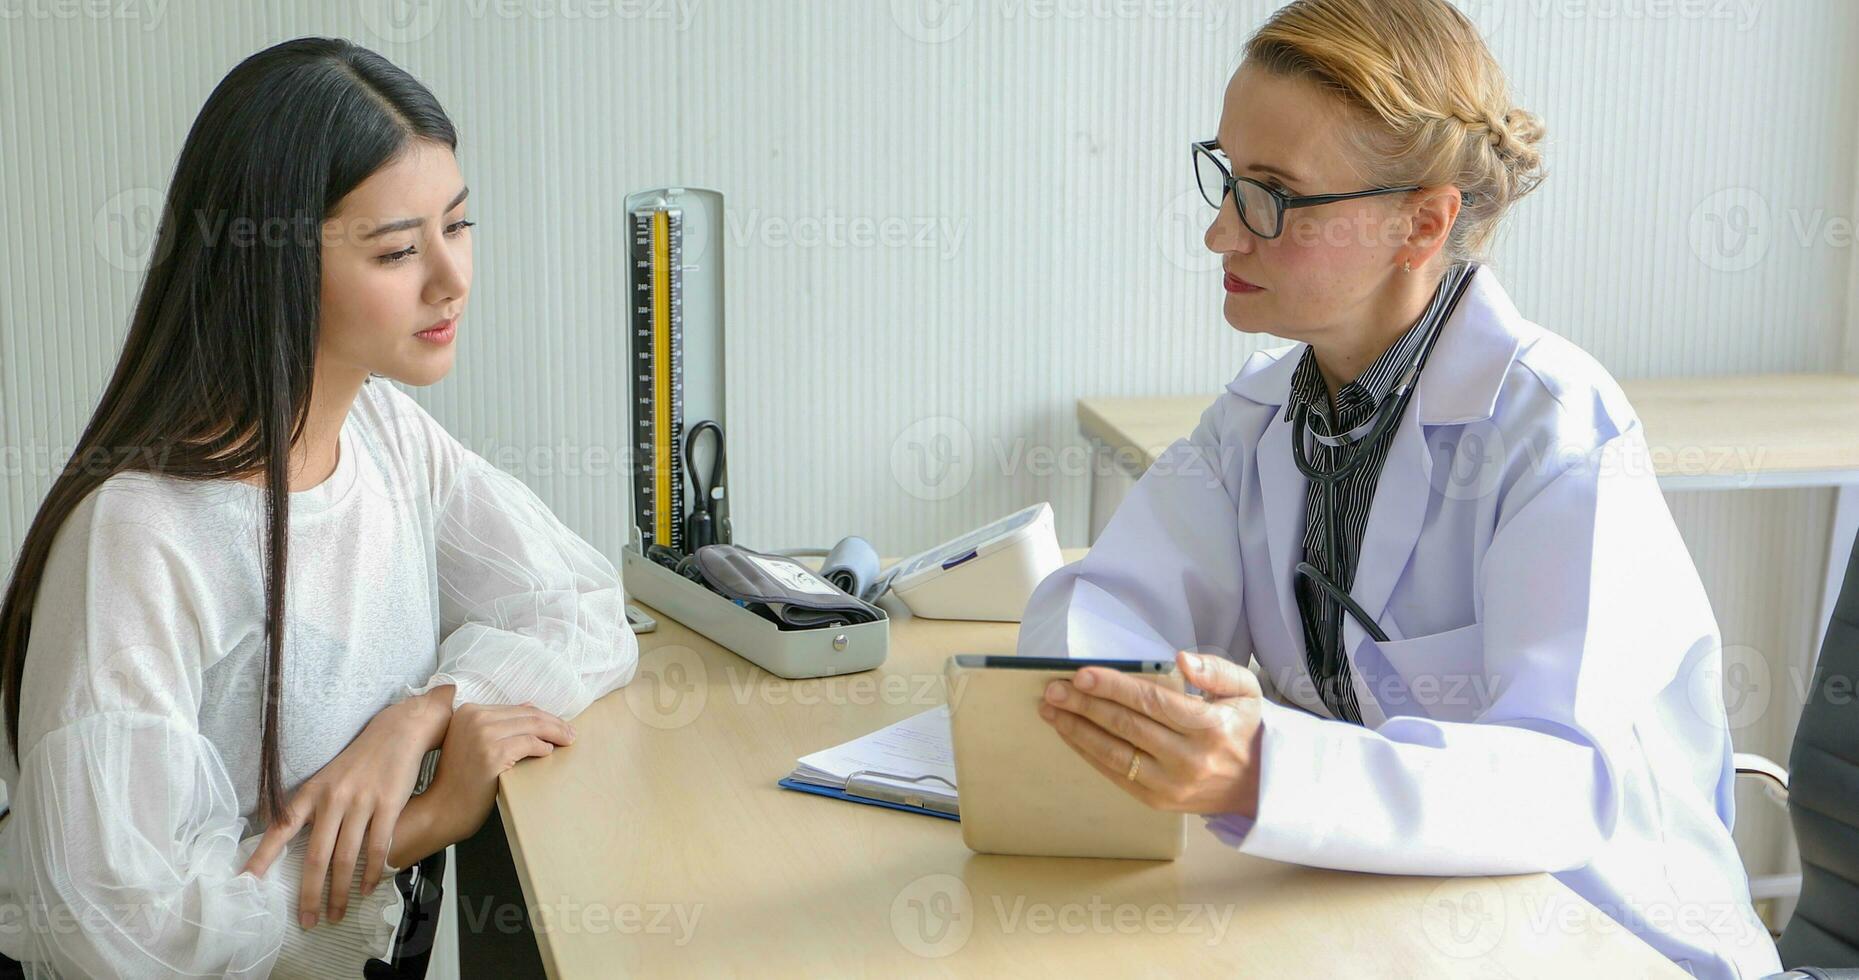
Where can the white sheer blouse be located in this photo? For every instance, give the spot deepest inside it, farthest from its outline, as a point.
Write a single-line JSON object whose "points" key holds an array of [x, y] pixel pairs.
{"points": [[416, 564]]}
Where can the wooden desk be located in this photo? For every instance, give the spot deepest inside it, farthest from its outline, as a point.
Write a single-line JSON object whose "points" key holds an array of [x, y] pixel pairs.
{"points": [[659, 845], [1716, 433]]}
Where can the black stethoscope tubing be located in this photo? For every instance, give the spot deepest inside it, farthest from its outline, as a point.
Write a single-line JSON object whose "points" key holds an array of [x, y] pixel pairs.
{"points": [[1386, 415]]}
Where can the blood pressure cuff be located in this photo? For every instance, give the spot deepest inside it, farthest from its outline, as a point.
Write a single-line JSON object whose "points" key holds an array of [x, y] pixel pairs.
{"points": [[780, 589], [853, 566]]}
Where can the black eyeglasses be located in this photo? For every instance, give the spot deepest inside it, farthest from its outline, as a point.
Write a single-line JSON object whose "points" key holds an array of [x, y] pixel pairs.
{"points": [[1261, 206]]}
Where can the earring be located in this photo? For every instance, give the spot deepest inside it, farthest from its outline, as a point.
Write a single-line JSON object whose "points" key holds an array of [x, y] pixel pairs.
{"points": [[1407, 265]]}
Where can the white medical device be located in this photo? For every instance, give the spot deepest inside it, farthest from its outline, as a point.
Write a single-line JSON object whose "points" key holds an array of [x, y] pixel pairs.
{"points": [[989, 573]]}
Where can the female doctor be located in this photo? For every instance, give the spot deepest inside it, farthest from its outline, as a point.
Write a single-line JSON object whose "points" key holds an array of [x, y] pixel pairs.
{"points": [[1431, 522]]}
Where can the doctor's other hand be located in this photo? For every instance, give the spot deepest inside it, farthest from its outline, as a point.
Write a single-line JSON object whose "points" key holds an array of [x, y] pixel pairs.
{"points": [[1186, 753], [482, 743]]}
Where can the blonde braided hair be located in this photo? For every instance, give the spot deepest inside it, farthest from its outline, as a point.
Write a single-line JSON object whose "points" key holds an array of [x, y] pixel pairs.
{"points": [[1435, 103]]}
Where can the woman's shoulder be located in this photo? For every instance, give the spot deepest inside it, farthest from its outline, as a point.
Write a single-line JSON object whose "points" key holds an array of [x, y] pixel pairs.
{"points": [[1555, 382], [165, 507], [141, 526], [1559, 414]]}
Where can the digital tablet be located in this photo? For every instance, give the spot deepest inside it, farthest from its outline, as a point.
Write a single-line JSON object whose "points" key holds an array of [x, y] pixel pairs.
{"points": [[1023, 789]]}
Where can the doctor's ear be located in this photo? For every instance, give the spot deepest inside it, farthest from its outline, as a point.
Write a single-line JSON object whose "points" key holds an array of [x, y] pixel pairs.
{"points": [[1432, 213]]}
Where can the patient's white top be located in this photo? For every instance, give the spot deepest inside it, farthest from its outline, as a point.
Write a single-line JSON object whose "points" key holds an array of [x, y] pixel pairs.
{"points": [[416, 564]]}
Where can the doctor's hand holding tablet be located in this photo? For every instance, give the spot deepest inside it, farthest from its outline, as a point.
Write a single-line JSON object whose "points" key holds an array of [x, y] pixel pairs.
{"points": [[1477, 662], [1169, 749], [1171, 752]]}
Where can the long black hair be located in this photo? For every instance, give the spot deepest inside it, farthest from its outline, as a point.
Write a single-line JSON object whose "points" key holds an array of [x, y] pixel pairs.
{"points": [[214, 379]]}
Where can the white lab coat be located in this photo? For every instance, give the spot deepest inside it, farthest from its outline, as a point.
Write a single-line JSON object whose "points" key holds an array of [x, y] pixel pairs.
{"points": [[1551, 697]]}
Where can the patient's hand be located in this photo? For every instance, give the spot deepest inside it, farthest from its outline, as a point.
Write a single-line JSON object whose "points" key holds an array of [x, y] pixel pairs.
{"points": [[1197, 756], [353, 804], [482, 743]]}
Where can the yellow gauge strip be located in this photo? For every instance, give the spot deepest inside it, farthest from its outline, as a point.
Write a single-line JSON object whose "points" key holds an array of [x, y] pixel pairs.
{"points": [[661, 376]]}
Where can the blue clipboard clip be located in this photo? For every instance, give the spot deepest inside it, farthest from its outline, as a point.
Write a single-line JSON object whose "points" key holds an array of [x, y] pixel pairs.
{"points": [[863, 790]]}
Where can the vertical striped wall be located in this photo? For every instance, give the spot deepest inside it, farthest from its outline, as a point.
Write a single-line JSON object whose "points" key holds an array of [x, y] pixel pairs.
{"points": [[908, 385]]}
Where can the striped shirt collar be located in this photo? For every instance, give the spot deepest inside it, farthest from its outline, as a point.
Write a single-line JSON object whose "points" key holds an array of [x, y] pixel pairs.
{"points": [[1357, 400]]}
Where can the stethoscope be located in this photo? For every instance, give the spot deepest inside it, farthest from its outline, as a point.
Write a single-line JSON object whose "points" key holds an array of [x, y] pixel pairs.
{"points": [[1361, 449], [708, 521]]}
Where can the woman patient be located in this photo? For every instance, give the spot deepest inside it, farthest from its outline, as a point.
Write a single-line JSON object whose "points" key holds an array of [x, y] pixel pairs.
{"points": [[268, 583]]}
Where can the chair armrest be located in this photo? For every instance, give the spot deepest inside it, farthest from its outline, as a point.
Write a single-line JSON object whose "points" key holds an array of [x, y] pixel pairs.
{"points": [[1751, 764]]}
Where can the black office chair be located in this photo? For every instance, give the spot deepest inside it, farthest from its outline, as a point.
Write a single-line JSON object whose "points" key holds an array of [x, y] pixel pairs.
{"points": [[421, 890], [1821, 786], [422, 893]]}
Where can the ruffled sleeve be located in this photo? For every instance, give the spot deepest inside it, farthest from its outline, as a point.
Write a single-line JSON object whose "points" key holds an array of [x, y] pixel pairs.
{"points": [[529, 612], [124, 838]]}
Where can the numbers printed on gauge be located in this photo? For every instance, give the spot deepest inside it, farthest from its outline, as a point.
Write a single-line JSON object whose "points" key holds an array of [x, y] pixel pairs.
{"points": [[658, 389]]}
